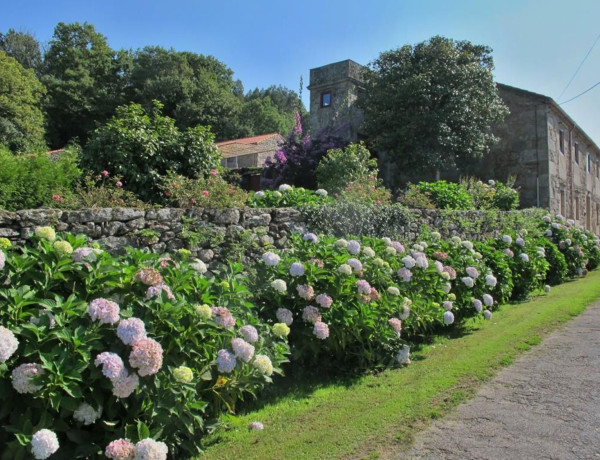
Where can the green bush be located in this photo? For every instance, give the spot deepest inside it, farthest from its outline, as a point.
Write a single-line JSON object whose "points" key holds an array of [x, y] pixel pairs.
{"points": [[210, 192], [62, 306], [30, 181], [141, 148], [446, 195], [341, 167], [288, 196]]}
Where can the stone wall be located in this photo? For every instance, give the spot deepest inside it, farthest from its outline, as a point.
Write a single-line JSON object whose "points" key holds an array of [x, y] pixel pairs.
{"points": [[220, 235]]}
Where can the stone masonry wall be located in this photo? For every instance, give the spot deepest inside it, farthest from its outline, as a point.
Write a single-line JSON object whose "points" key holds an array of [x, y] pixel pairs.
{"points": [[218, 235]]}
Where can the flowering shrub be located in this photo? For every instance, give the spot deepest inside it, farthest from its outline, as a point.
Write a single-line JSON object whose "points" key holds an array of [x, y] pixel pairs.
{"points": [[493, 194], [100, 354], [445, 195], [210, 192], [288, 196]]}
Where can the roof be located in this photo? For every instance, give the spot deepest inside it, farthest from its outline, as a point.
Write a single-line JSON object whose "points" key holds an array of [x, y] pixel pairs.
{"points": [[249, 145]]}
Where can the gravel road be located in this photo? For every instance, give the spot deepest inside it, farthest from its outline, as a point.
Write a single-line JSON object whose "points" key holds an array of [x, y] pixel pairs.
{"points": [[544, 406]]}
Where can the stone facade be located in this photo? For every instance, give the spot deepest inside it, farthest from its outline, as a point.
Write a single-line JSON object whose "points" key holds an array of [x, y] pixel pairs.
{"points": [[220, 235], [249, 152], [555, 163], [342, 81]]}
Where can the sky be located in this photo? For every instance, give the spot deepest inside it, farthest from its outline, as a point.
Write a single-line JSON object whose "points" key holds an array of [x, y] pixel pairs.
{"points": [[537, 44]]}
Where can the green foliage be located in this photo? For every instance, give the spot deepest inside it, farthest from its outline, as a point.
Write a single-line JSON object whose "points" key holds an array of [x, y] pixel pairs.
{"points": [[558, 271], [288, 197], [431, 106], [30, 181], [270, 110], [97, 191], [445, 195], [493, 195], [21, 117], [142, 147], [194, 89], [212, 192], [85, 82], [340, 167], [46, 306], [368, 191], [23, 47]]}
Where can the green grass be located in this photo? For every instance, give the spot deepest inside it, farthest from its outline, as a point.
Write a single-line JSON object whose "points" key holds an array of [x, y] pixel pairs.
{"points": [[373, 415]]}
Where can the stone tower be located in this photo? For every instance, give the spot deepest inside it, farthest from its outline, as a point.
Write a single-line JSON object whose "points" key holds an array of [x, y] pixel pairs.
{"points": [[333, 90]]}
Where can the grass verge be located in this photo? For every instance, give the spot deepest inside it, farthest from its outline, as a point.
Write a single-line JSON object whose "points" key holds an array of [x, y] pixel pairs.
{"points": [[373, 415]]}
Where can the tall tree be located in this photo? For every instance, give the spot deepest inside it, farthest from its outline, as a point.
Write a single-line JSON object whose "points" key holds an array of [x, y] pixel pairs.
{"points": [[21, 117], [270, 110], [23, 47], [194, 89], [85, 82], [432, 105]]}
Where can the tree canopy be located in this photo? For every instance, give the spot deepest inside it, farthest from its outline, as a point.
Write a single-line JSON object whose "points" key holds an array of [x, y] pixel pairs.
{"points": [[431, 106], [142, 146], [22, 46], [21, 117]]}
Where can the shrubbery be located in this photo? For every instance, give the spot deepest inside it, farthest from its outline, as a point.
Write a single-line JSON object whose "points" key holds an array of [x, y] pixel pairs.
{"points": [[288, 196], [30, 181], [341, 167], [102, 348]]}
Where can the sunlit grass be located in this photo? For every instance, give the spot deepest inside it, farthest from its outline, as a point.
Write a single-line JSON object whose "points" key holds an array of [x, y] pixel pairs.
{"points": [[368, 416]]}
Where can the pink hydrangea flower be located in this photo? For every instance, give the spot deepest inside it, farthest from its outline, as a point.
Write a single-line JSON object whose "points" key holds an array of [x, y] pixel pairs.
{"points": [[321, 330], [131, 330], [250, 333], [120, 449], [223, 317], [324, 300], [146, 356], [355, 264], [125, 385], [155, 291], [311, 314], [305, 291], [397, 246], [112, 364], [105, 311], [225, 361], [396, 325], [405, 274], [363, 287], [149, 276], [242, 349]]}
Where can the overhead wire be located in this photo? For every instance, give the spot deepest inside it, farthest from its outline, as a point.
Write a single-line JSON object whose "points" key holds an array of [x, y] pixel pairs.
{"points": [[578, 68], [580, 94]]}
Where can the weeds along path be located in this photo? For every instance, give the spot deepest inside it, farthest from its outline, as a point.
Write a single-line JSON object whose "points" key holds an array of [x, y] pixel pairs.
{"points": [[544, 406]]}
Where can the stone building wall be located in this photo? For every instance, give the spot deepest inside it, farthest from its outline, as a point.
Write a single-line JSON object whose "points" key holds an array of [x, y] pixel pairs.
{"points": [[343, 80], [218, 235]]}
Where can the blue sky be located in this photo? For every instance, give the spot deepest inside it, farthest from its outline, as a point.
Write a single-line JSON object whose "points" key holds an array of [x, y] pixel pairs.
{"points": [[538, 44]]}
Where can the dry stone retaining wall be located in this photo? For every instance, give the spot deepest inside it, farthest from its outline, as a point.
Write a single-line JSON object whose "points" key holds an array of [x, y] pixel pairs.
{"points": [[211, 234]]}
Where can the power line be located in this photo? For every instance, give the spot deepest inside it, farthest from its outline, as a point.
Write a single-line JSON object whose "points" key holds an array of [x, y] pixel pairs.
{"points": [[580, 94], [581, 64]]}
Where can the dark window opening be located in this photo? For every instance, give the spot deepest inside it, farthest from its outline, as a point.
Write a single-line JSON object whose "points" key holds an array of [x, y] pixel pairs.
{"points": [[326, 99], [576, 152], [561, 141]]}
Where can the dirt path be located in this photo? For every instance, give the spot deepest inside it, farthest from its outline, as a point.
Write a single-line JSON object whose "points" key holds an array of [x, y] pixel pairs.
{"points": [[544, 406]]}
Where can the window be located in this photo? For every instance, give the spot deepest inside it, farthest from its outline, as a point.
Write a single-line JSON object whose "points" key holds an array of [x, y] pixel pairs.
{"points": [[563, 211], [326, 99], [576, 147], [577, 208], [561, 141], [588, 162]]}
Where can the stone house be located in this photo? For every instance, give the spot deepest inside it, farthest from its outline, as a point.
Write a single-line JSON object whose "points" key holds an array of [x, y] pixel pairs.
{"points": [[249, 152], [555, 163]]}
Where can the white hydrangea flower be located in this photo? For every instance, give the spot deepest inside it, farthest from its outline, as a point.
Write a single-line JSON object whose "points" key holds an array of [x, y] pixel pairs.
{"points": [[369, 252], [393, 290], [488, 300], [284, 188], [341, 243], [490, 280], [448, 318], [520, 242], [353, 247], [403, 356], [43, 444], [446, 287], [548, 232], [408, 262], [386, 240], [478, 305], [279, 285], [297, 269], [524, 257], [468, 245], [487, 314], [8, 344], [345, 269], [149, 449], [507, 239], [405, 313], [421, 262], [256, 426], [271, 259], [86, 414], [285, 316], [199, 266], [467, 281], [259, 194], [436, 235], [321, 192]]}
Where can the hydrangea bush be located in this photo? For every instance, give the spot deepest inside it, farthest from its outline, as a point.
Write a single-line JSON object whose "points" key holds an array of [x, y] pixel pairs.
{"points": [[288, 196], [103, 355]]}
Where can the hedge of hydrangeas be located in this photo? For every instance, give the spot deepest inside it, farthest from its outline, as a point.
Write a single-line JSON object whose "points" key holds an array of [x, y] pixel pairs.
{"points": [[137, 356]]}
